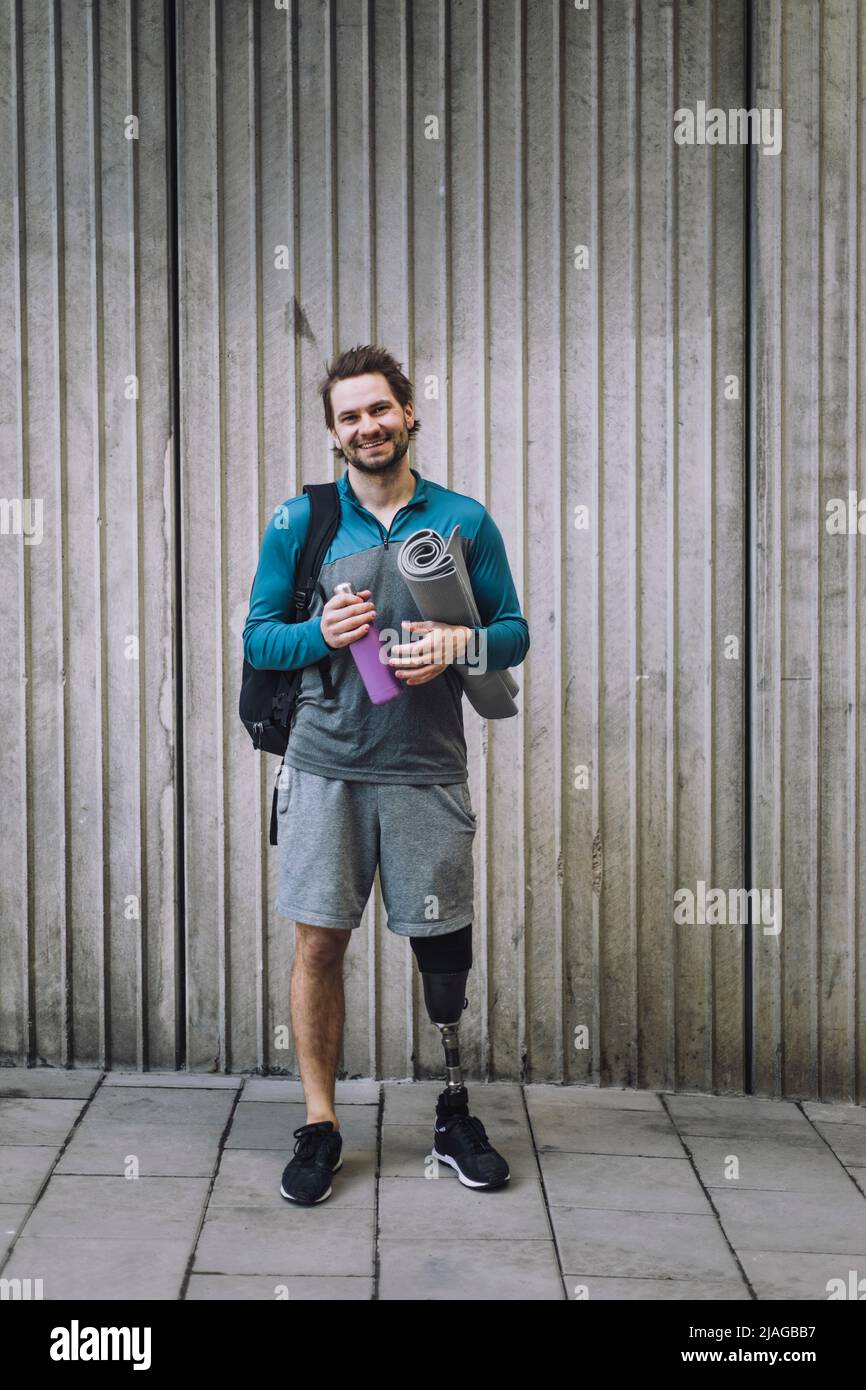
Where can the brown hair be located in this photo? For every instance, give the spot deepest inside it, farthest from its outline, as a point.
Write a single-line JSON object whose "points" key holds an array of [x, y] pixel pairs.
{"points": [[358, 361]]}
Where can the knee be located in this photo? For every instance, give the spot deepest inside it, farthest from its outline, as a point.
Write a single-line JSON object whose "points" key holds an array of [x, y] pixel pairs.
{"points": [[320, 948], [440, 955]]}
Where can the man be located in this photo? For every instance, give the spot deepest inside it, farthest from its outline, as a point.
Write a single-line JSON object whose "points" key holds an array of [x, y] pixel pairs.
{"points": [[364, 783]]}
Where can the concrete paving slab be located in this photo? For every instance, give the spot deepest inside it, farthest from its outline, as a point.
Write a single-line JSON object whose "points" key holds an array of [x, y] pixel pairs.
{"points": [[835, 1114], [309, 1288], [38, 1121], [120, 1208], [848, 1142], [803, 1221], [297, 1240], [283, 1089], [619, 1182], [737, 1115], [475, 1270], [162, 1106], [859, 1176], [691, 1104], [259, 1126], [176, 1080], [170, 1132], [23, 1170], [251, 1178], [48, 1082], [101, 1269], [650, 1245], [161, 1151], [407, 1152], [420, 1209], [12, 1218], [580, 1287], [604, 1097], [768, 1164], [593, 1129], [792, 1274]]}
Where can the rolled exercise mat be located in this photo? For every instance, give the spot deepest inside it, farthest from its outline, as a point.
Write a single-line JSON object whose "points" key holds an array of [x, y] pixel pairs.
{"points": [[438, 580]]}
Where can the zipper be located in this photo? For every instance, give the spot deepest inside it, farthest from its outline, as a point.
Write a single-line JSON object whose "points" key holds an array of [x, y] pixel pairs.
{"points": [[393, 519], [413, 502]]}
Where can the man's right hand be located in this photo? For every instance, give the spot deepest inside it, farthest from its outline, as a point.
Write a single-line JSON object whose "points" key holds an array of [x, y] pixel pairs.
{"points": [[346, 617]]}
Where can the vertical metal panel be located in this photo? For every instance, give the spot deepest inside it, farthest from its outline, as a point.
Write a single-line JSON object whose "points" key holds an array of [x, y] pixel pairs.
{"points": [[202, 198], [580, 790], [809, 646], [128, 574], [238, 116], [156, 792], [727, 553], [707, 595], [616, 524], [658, 262], [501, 841], [16, 978], [458, 412], [79, 133], [765, 428], [43, 442], [541, 354]]}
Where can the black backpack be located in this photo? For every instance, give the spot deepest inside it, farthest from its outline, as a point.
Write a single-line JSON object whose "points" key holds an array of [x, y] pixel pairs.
{"points": [[268, 698]]}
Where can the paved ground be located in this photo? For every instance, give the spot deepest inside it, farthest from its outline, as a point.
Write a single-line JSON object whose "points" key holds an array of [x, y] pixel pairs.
{"points": [[166, 1186]]}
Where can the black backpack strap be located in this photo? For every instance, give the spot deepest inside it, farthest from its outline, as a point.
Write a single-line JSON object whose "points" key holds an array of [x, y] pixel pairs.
{"points": [[273, 832], [325, 663], [324, 520], [325, 674]]}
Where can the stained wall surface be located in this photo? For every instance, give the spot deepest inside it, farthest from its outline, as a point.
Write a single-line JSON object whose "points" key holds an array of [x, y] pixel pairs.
{"points": [[204, 203]]}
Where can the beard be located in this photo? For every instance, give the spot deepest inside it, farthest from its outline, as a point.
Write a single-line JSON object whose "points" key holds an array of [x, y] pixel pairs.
{"points": [[380, 466]]}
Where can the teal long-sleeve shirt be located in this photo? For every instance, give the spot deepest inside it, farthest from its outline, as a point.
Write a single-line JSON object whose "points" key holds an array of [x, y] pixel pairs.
{"points": [[347, 736]]}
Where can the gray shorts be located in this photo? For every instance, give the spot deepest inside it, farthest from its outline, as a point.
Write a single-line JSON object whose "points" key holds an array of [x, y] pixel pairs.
{"points": [[332, 834]]}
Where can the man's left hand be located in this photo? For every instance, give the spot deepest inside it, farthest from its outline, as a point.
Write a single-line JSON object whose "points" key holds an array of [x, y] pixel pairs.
{"points": [[442, 645]]}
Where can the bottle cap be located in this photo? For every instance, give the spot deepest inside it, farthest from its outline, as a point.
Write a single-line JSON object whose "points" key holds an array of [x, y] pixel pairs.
{"points": [[344, 588]]}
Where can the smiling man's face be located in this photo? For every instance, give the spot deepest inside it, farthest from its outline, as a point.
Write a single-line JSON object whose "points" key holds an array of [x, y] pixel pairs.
{"points": [[370, 426]]}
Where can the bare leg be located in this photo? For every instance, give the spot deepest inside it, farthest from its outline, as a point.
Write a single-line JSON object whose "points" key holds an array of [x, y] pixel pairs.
{"points": [[318, 1014]]}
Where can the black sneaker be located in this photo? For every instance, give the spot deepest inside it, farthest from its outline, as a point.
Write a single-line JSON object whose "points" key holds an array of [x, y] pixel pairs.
{"points": [[307, 1179], [460, 1141]]}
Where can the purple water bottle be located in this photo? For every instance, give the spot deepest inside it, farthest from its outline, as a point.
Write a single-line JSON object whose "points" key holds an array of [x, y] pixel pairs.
{"points": [[380, 682]]}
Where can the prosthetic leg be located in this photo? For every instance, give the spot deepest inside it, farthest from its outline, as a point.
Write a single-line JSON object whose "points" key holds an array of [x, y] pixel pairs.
{"points": [[444, 996], [459, 1138]]}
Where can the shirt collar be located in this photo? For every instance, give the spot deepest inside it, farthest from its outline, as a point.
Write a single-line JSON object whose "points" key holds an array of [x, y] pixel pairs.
{"points": [[419, 495]]}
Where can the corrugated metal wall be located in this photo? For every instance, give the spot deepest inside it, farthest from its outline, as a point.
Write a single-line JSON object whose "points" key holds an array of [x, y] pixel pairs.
{"points": [[89, 753], [809, 832], [318, 205]]}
